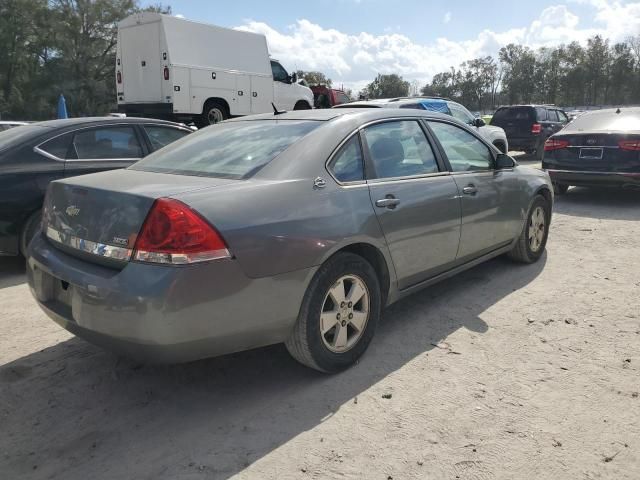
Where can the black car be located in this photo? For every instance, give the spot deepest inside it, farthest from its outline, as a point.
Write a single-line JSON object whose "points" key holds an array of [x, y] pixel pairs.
{"points": [[599, 148], [33, 155], [528, 126]]}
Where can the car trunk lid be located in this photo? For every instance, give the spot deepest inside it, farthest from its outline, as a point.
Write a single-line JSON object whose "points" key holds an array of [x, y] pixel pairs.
{"points": [[98, 217]]}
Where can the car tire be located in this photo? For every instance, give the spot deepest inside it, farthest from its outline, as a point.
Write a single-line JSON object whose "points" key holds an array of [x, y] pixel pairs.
{"points": [[213, 112], [560, 188], [331, 333], [301, 105], [532, 241], [29, 230]]}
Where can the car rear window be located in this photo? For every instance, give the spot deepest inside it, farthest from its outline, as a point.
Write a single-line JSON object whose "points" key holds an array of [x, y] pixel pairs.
{"points": [[229, 150], [16, 135], [607, 120], [513, 114]]}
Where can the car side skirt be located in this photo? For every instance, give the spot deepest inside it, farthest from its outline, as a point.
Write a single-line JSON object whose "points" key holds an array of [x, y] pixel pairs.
{"points": [[450, 273]]}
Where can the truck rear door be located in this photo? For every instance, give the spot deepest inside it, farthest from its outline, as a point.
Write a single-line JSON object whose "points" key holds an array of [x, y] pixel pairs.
{"points": [[141, 63]]}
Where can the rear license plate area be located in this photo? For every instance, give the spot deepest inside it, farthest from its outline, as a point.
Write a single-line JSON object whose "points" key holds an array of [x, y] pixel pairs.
{"points": [[591, 153]]}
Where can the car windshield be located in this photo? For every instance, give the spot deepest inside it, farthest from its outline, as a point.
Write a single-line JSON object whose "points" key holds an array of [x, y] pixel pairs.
{"points": [[607, 120], [513, 114], [18, 134], [228, 150]]}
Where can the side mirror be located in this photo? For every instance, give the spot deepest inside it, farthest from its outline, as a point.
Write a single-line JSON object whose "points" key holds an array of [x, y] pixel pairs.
{"points": [[293, 78], [504, 161], [478, 122]]}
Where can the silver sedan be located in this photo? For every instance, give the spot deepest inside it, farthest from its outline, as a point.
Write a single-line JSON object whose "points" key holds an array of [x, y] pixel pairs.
{"points": [[297, 227]]}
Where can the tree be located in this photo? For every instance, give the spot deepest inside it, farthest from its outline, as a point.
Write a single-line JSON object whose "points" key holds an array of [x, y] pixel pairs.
{"points": [[314, 78], [60, 46], [387, 86]]}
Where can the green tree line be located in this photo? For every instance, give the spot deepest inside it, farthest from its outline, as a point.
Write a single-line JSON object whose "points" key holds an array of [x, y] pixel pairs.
{"points": [[599, 73], [51, 47]]}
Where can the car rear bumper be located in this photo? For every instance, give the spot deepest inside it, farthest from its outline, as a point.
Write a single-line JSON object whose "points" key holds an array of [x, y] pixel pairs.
{"points": [[595, 179], [162, 313]]}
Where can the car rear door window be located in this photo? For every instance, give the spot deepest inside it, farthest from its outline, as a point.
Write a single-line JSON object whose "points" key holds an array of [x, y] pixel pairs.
{"points": [[399, 149], [160, 136], [465, 152], [553, 116], [541, 114], [107, 143], [563, 117], [58, 146], [347, 165]]}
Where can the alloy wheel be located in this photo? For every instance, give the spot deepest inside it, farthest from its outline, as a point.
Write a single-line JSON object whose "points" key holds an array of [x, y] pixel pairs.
{"points": [[536, 229], [345, 312]]}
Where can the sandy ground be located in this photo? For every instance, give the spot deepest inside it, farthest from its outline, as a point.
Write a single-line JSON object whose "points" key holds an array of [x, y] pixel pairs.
{"points": [[505, 372]]}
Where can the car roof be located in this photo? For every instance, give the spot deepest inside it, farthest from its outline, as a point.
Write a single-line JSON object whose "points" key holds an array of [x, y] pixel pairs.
{"points": [[393, 102], [532, 105], [356, 114], [72, 122]]}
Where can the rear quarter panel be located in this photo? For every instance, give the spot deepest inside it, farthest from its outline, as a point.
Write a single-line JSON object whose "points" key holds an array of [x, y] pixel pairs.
{"points": [[273, 227]]}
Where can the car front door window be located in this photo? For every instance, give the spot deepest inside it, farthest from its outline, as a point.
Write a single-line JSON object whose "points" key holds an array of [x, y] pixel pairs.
{"points": [[464, 151], [107, 143]]}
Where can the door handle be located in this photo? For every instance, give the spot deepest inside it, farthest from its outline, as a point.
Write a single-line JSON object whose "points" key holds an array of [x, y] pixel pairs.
{"points": [[388, 202], [470, 189]]}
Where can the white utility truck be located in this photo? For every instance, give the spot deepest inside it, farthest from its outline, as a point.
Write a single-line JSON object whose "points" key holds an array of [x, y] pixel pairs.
{"points": [[169, 67]]}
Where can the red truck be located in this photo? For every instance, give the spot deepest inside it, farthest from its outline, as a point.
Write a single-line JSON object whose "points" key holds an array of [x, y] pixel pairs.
{"points": [[325, 97]]}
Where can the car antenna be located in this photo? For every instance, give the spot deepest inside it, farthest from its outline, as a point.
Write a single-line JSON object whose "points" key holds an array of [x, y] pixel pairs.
{"points": [[276, 111], [618, 110]]}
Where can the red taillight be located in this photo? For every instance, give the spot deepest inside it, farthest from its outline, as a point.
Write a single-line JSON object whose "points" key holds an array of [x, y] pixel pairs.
{"points": [[119, 77], [175, 234], [555, 144], [536, 128], [630, 145], [166, 73]]}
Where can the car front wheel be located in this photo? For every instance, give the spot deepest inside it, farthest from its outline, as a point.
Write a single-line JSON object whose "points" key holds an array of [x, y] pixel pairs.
{"points": [[338, 316], [532, 241]]}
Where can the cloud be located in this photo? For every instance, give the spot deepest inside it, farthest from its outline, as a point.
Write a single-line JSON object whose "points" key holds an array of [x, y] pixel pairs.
{"points": [[355, 59], [447, 17]]}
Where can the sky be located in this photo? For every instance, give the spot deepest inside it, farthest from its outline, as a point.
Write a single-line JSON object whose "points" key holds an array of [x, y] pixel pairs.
{"points": [[351, 41]]}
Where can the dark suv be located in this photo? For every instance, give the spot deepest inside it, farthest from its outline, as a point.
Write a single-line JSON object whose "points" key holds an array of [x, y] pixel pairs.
{"points": [[528, 126]]}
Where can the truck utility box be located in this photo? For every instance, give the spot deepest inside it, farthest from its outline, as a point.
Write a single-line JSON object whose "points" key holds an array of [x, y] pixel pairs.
{"points": [[174, 68]]}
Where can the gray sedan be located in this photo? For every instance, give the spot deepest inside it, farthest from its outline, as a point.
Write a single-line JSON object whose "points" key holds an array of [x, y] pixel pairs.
{"points": [[297, 227]]}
